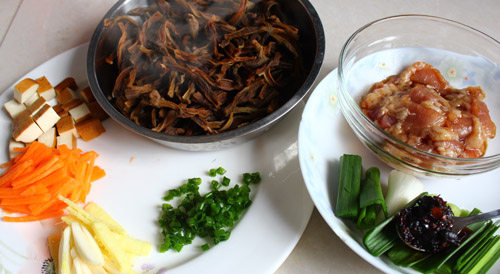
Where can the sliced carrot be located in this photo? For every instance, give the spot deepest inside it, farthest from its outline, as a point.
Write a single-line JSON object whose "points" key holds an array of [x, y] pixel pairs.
{"points": [[15, 172], [17, 208], [39, 174], [34, 189], [24, 200], [97, 174], [41, 171], [31, 218]]}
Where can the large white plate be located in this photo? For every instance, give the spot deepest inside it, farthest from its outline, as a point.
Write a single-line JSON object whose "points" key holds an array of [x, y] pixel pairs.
{"points": [[139, 172], [324, 136]]}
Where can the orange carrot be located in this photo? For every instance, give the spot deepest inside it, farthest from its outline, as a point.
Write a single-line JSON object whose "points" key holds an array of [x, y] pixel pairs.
{"points": [[36, 177], [15, 172], [26, 200], [30, 218], [97, 174]]}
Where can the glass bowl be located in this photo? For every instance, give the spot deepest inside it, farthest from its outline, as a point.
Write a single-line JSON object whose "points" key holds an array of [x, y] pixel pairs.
{"points": [[465, 57]]}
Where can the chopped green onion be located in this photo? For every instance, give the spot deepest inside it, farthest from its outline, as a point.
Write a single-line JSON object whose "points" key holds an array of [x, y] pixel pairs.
{"points": [[211, 216], [251, 178], [349, 186]]}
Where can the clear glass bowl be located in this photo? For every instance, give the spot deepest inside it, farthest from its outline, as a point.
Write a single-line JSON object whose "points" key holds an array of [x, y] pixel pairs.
{"points": [[464, 55]]}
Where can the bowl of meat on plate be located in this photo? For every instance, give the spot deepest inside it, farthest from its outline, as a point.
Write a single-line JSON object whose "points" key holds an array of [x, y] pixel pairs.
{"points": [[204, 75], [421, 92]]}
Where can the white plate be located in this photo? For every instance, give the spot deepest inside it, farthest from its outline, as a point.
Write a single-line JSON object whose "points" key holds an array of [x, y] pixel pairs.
{"points": [[140, 171], [324, 136]]}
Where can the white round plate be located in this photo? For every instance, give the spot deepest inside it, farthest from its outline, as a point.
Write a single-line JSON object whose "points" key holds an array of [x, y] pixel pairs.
{"points": [[324, 136], [140, 171]]}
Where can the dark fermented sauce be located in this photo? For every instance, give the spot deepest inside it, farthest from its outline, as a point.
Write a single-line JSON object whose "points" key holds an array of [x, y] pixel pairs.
{"points": [[428, 225]]}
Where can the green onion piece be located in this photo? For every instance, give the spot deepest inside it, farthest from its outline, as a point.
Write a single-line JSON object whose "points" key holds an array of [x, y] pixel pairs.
{"points": [[488, 257], [477, 254], [400, 254], [212, 172], [367, 216], [225, 181], [349, 186], [220, 171], [370, 199], [205, 247], [251, 178], [371, 192]]}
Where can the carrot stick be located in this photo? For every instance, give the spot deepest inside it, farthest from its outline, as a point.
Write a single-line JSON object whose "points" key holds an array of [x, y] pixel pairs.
{"points": [[17, 208], [26, 200], [30, 218], [14, 172], [41, 171], [34, 189]]}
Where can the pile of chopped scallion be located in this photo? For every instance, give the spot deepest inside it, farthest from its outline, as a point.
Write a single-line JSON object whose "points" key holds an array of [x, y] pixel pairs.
{"points": [[360, 200], [210, 216]]}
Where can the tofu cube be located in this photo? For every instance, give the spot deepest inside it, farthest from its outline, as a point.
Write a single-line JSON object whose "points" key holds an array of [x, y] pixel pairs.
{"points": [[46, 118], [65, 125], [13, 108], [71, 104], [87, 95], [80, 112], [13, 144], [32, 99], [48, 138], [90, 129], [65, 96], [66, 83], [67, 139], [96, 111], [45, 89], [24, 90], [60, 110], [24, 129], [36, 106]]}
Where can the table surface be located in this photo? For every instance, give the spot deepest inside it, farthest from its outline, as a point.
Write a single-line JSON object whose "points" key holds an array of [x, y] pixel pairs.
{"points": [[34, 31]]}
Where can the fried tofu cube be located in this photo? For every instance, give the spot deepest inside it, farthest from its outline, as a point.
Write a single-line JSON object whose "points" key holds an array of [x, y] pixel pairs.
{"points": [[32, 99], [12, 145], [24, 128], [67, 139], [66, 124], [96, 111], [45, 89], [90, 129], [72, 104], [13, 108], [48, 138], [64, 96], [80, 112], [36, 105], [46, 118], [24, 90], [66, 83], [87, 95], [60, 110]]}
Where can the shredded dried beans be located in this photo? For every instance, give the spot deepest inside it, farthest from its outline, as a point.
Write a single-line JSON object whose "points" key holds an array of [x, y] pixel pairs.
{"points": [[197, 67]]}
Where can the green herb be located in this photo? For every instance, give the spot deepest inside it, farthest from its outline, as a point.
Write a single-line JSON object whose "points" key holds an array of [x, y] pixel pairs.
{"points": [[213, 172], [251, 178], [211, 216], [349, 186], [371, 199]]}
